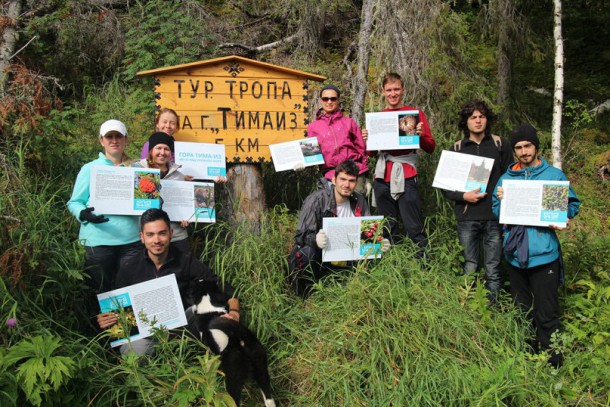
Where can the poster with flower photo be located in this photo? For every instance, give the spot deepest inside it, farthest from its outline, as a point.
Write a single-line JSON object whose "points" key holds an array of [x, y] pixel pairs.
{"points": [[534, 202], [124, 190], [353, 238], [140, 306]]}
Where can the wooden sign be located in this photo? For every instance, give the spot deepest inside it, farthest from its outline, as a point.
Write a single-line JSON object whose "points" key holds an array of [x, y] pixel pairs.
{"points": [[241, 103]]}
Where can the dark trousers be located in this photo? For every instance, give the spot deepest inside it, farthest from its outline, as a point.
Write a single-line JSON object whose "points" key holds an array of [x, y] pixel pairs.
{"points": [[407, 208], [102, 264], [535, 291], [306, 268], [474, 233]]}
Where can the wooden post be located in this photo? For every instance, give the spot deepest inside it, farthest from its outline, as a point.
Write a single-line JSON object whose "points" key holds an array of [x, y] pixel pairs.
{"points": [[246, 195]]}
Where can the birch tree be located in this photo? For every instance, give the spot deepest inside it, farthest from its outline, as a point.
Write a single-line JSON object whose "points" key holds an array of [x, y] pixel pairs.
{"points": [[9, 40], [558, 94]]}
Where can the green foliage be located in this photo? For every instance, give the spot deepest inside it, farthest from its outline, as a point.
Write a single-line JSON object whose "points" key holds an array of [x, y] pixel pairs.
{"points": [[39, 370], [391, 332], [578, 113], [77, 43], [163, 33]]}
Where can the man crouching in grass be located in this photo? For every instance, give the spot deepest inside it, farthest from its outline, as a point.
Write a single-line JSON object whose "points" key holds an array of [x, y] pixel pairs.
{"points": [[158, 259]]}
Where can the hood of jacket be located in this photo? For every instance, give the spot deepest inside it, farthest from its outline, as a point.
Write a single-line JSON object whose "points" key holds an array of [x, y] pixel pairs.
{"points": [[529, 172]]}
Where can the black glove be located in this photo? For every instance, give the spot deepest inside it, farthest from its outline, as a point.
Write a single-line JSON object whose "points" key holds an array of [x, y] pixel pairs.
{"points": [[86, 215]]}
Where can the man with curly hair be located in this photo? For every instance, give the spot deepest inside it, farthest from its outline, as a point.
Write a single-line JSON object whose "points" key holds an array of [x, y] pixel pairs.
{"points": [[477, 226]]}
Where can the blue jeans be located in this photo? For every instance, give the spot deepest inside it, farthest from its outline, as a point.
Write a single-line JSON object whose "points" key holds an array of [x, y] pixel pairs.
{"points": [[473, 233]]}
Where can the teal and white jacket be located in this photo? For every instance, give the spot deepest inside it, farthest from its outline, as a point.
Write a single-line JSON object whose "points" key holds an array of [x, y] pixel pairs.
{"points": [[543, 242], [119, 230]]}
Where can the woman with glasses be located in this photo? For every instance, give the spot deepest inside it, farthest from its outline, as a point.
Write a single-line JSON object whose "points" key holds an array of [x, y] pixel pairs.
{"points": [[109, 240], [339, 138]]}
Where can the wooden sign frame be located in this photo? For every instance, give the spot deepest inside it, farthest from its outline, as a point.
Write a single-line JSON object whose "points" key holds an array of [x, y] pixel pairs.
{"points": [[241, 103]]}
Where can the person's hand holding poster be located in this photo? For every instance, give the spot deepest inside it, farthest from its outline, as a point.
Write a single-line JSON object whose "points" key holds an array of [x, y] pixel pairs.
{"points": [[534, 203], [124, 190], [392, 130], [462, 172], [201, 160], [292, 154], [352, 238], [192, 201], [138, 305]]}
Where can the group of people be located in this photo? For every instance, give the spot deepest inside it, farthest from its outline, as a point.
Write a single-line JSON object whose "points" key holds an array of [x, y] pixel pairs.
{"points": [[533, 254], [120, 250]]}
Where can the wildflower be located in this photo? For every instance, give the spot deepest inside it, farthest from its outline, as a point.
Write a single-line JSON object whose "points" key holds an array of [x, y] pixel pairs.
{"points": [[147, 185], [11, 322]]}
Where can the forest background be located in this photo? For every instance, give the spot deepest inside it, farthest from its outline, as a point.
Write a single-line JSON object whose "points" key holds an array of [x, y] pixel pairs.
{"points": [[393, 332]]}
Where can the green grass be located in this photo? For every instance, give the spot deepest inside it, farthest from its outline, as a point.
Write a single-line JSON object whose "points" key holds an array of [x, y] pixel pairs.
{"points": [[390, 332]]}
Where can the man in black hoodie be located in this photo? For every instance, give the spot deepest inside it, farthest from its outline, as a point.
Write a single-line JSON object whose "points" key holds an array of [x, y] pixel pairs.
{"points": [[475, 220]]}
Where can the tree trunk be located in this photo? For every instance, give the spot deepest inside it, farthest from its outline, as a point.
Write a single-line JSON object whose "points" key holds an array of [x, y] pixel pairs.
{"points": [[246, 195], [505, 68], [558, 96], [9, 41], [360, 84]]}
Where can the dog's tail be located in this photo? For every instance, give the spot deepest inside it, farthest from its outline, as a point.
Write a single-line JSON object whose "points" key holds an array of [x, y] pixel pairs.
{"points": [[257, 356], [269, 402]]}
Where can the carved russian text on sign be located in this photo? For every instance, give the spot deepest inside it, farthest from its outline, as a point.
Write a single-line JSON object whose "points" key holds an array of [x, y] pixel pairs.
{"points": [[246, 105]]}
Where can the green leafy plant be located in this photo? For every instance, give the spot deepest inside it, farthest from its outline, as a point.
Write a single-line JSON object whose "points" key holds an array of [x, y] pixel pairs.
{"points": [[39, 370]]}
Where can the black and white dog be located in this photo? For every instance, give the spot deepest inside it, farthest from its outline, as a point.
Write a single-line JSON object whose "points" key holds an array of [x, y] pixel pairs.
{"points": [[241, 353]]}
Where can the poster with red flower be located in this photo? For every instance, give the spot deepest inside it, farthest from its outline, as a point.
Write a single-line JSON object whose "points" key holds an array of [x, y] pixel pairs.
{"points": [[353, 238], [124, 190]]}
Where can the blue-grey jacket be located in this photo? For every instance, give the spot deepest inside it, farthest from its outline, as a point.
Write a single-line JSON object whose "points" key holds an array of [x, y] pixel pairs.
{"points": [[119, 230], [543, 242]]}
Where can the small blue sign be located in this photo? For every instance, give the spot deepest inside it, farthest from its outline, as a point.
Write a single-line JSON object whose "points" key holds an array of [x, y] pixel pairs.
{"points": [[554, 216], [217, 172], [314, 159], [116, 302], [408, 140], [370, 249], [472, 185], [141, 204], [205, 214]]}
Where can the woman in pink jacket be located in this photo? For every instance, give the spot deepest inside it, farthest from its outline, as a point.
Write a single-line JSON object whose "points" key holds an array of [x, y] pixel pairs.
{"points": [[339, 137]]}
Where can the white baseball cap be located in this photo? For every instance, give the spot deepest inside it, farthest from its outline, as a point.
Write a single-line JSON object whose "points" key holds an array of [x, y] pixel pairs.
{"points": [[113, 125]]}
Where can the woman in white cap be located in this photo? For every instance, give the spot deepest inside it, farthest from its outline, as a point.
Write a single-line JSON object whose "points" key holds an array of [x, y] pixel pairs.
{"points": [[160, 151], [109, 240]]}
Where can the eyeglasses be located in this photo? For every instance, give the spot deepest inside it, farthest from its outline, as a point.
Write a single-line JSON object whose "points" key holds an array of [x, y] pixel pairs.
{"points": [[332, 99]]}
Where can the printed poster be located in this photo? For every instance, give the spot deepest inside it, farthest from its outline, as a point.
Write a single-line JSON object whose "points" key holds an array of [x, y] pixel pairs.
{"points": [[192, 201], [201, 160], [392, 130], [124, 190], [286, 155], [462, 172], [154, 300], [352, 238], [534, 202]]}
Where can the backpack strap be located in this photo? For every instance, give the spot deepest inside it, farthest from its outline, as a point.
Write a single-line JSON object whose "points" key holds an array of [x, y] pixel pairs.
{"points": [[457, 146], [497, 141]]}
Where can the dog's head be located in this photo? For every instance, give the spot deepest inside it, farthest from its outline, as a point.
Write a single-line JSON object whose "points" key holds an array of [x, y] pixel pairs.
{"points": [[208, 298]]}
